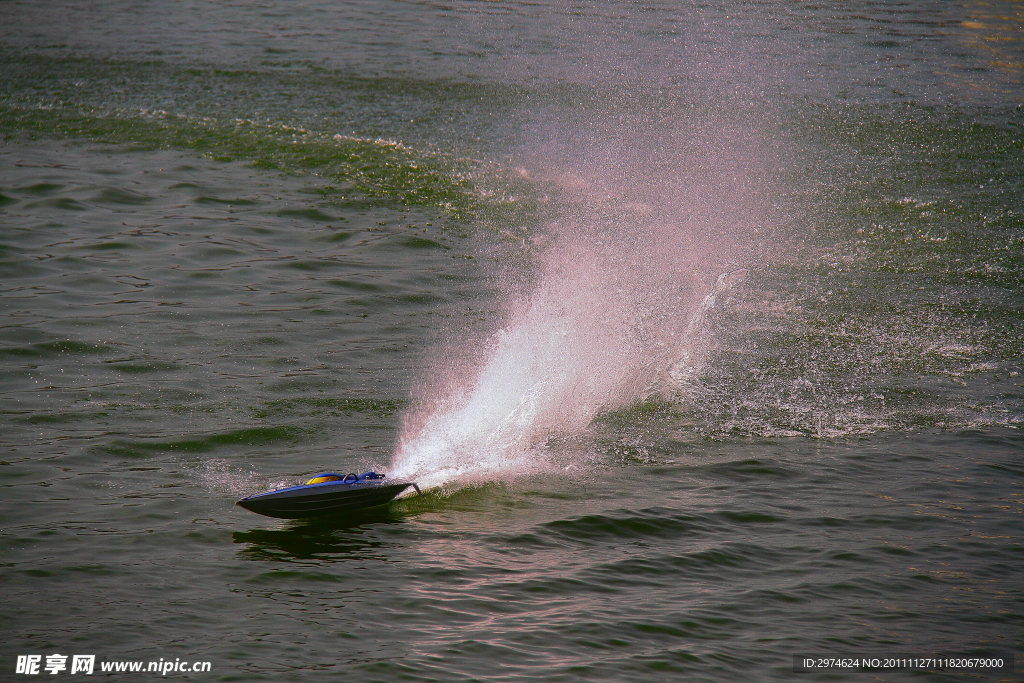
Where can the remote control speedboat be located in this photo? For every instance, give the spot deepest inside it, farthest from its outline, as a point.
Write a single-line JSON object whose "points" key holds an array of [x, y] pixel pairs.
{"points": [[326, 494]]}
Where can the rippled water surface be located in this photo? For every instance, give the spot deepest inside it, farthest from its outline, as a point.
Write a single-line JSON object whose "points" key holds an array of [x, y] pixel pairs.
{"points": [[701, 324]]}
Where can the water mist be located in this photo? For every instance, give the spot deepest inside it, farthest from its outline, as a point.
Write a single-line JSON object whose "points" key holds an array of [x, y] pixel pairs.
{"points": [[651, 228]]}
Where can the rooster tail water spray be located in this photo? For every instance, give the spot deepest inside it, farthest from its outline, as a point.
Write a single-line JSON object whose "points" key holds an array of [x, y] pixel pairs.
{"points": [[645, 245]]}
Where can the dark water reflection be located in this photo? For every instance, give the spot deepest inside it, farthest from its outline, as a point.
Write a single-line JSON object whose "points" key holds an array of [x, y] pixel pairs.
{"points": [[328, 540]]}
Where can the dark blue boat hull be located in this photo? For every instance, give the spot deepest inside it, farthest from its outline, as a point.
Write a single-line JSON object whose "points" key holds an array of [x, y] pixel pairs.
{"points": [[317, 500]]}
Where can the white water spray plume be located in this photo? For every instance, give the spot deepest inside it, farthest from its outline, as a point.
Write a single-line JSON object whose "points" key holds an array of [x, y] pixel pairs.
{"points": [[639, 255]]}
